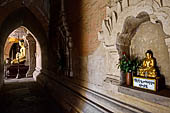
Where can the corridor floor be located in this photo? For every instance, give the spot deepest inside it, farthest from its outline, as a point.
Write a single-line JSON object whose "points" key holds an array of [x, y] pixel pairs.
{"points": [[25, 96]]}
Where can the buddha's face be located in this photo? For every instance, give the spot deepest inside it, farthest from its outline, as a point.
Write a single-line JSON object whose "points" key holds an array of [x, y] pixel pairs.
{"points": [[148, 55], [21, 43]]}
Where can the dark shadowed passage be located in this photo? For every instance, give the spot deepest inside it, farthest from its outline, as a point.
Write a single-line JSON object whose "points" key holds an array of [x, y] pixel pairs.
{"points": [[25, 96]]}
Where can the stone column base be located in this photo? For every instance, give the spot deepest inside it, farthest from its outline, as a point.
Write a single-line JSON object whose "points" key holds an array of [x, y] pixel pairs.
{"points": [[36, 73], [30, 73]]}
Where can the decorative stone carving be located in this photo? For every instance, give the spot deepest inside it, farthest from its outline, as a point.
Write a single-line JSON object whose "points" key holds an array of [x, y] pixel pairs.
{"points": [[107, 36], [64, 30]]}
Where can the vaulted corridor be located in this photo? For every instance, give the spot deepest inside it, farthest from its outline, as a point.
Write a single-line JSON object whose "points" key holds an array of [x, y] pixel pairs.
{"points": [[26, 96], [77, 54]]}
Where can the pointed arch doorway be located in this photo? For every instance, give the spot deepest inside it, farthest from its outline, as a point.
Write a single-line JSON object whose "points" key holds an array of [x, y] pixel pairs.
{"points": [[23, 17], [32, 58]]}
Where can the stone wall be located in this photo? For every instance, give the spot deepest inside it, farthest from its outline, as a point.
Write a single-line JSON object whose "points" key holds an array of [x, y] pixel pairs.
{"points": [[100, 31], [84, 23]]}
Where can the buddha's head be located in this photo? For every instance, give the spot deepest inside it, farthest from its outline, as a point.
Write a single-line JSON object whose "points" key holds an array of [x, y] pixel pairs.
{"points": [[21, 43], [149, 54]]}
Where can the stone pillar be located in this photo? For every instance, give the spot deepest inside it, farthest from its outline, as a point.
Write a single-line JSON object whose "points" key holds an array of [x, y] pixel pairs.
{"points": [[32, 58], [27, 53], [68, 41]]}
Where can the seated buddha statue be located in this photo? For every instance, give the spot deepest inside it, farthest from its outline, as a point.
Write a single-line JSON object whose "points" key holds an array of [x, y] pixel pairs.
{"points": [[148, 66], [20, 56]]}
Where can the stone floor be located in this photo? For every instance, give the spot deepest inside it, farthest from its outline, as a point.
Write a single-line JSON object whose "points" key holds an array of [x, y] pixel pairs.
{"points": [[25, 96]]}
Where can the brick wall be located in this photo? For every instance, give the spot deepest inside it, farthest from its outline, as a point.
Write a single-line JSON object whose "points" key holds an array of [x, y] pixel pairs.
{"points": [[85, 19]]}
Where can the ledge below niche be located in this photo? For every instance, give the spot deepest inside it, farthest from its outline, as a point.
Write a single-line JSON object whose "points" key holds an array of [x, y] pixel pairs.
{"points": [[162, 97]]}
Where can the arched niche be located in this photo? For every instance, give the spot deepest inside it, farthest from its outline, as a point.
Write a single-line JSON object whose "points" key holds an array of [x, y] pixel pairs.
{"points": [[151, 36], [139, 34], [113, 30], [124, 38], [23, 17]]}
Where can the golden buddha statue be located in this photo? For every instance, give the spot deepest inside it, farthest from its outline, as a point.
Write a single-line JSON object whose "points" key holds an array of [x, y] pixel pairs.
{"points": [[20, 56], [148, 66]]}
